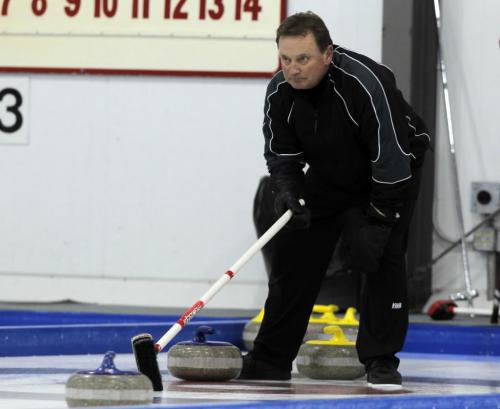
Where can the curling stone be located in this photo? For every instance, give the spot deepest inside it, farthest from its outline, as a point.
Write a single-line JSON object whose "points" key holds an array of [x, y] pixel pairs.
{"points": [[251, 329], [108, 386], [348, 323], [330, 359], [202, 360], [321, 315]]}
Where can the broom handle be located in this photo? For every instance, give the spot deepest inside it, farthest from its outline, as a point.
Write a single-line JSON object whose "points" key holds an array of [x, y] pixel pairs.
{"points": [[474, 311], [222, 281]]}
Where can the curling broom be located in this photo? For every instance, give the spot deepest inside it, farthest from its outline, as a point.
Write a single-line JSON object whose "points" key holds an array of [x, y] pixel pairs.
{"points": [[145, 350]]}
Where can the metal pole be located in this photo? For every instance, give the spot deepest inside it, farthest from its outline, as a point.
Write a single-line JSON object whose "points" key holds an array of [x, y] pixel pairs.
{"points": [[469, 293]]}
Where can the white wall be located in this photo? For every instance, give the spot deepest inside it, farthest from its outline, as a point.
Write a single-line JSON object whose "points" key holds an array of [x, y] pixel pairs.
{"points": [[139, 190], [470, 46]]}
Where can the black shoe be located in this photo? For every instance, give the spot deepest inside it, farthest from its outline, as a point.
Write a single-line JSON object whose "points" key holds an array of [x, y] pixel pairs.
{"points": [[383, 374], [254, 369]]}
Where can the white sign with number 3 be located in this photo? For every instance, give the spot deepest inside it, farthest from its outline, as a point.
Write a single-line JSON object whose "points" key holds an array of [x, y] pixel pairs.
{"points": [[14, 114]]}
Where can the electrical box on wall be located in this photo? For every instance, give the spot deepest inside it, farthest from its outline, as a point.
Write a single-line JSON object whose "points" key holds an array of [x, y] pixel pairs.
{"points": [[485, 197], [485, 239]]}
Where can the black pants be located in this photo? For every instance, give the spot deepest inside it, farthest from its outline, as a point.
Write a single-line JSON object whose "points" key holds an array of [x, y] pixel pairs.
{"points": [[300, 260]]}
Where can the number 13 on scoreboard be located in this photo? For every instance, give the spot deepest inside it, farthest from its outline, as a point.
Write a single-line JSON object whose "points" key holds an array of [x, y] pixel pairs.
{"points": [[14, 103]]}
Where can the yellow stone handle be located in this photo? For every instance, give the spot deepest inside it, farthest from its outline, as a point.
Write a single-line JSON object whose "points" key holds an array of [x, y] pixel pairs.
{"points": [[259, 317], [321, 309], [327, 317], [327, 314], [349, 317], [338, 338]]}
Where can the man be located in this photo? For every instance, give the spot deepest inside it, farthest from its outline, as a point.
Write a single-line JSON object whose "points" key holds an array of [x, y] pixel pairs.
{"points": [[339, 113]]}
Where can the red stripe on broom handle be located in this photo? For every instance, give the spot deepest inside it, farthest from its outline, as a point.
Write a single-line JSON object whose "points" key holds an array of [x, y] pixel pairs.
{"points": [[176, 328], [190, 313]]}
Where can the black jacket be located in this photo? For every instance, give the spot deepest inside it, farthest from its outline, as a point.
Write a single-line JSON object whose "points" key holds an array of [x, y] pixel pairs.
{"points": [[355, 131]]}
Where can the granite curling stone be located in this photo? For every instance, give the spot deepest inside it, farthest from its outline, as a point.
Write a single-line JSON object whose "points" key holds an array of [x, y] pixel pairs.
{"points": [[330, 359], [316, 323], [202, 360], [251, 330], [108, 386]]}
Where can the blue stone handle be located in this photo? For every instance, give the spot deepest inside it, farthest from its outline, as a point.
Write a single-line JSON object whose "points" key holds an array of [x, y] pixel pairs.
{"points": [[201, 332], [108, 367]]}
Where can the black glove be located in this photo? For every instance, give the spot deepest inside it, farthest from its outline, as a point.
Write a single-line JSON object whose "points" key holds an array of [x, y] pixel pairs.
{"points": [[370, 240], [301, 218]]}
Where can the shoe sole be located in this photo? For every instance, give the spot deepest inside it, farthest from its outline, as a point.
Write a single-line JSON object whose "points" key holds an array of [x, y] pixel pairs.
{"points": [[385, 386]]}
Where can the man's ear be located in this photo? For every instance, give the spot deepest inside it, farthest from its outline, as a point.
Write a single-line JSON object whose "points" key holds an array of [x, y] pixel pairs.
{"points": [[328, 54]]}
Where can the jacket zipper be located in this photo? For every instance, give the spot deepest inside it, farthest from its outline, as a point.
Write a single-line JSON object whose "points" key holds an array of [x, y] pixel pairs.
{"points": [[315, 123]]}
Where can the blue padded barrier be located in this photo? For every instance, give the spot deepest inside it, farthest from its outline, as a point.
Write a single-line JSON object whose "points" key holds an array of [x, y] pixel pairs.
{"points": [[99, 332], [21, 317], [453, 339], [53, 333]]}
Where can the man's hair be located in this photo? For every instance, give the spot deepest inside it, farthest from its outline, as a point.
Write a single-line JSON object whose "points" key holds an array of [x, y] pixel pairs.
{"points": [[301, 24]]}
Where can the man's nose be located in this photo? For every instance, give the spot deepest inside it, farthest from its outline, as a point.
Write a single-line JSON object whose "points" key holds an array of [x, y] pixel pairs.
{"points": [[294, 69]]}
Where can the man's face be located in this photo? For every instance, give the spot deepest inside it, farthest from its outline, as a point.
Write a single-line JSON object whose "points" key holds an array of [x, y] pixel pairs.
{"points": [[303, 64]]}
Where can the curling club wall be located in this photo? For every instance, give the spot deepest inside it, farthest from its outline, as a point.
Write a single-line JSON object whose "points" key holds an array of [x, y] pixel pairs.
{"points": [[138, 190], [471, 35]]}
